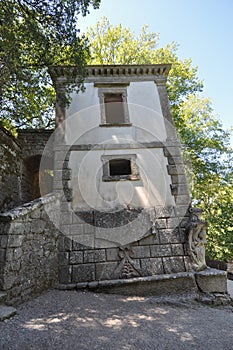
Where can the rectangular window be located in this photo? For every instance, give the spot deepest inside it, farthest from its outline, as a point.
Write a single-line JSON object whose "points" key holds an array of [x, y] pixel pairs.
{"points": [[113, 104], [114, 109], [120, 167]]}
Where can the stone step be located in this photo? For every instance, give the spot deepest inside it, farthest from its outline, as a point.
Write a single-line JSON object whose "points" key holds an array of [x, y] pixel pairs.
{"points": [[2, 296], [6, 312]]}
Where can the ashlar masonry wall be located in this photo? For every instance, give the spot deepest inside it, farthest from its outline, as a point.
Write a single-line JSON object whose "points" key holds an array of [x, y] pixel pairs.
{"points": [[28, 248]]}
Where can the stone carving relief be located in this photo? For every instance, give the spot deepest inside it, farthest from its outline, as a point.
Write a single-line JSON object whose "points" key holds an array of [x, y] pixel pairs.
{"points": [[196, 230], [127, 267]]}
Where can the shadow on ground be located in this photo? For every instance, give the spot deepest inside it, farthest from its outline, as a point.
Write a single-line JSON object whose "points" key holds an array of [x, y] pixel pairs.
{"points": [[77, 320]]}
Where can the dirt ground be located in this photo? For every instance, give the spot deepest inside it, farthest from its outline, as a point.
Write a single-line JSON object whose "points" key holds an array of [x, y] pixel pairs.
{"points": [[70, 320]]}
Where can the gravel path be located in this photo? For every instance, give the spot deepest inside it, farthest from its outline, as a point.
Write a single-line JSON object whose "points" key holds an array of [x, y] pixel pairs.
{"points": [[70, 320]]}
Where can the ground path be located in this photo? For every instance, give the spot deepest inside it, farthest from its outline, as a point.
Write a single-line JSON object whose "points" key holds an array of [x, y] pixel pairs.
{"points": [[70, 320]]}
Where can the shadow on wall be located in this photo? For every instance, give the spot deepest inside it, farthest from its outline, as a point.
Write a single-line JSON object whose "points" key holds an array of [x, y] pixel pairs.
{"points": [[36, 182]]}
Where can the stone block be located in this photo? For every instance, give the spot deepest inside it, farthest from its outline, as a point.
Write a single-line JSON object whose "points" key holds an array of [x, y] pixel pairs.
{"points": [[64, 274], [175, 160], [177, 249], [152, 266], [65, 206], [3, 241], [82, 229], [164, 212], [173, 265], [88, 229], [35, 214], [104, 271], [169, 236], [66, 218], [76, 229], [9, 281], [187, 263], [2, 255], [103, 243], [112, 254], [16, 228], [211, 281], [76, 219], [178, 179], [63, 258], [183, 199], [151, 239], [141, 252], [83, 273], [173, 223], [81, 217], [64, 244], [175, 169], [18, 252], [94, 256], [183, 189], [172, 151], [83, 242], [15, 241], [160, 250], [162, 223], [37, 226], [76, 257], [65, 229]]}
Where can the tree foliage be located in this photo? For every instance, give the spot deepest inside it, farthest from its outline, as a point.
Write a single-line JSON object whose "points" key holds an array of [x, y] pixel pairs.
{"points": [[206, 143], [34, 35]]}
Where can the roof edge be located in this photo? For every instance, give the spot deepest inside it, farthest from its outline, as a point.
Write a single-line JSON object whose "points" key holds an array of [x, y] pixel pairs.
{"points": [[130, 72]]}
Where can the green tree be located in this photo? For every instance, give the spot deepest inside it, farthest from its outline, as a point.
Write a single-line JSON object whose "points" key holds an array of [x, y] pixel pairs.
{"points": [[206, 143], [35, 34]]}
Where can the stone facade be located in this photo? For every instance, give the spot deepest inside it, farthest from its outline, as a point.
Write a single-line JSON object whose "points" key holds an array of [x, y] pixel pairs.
{"points": [[90, 249], [83, 235]]}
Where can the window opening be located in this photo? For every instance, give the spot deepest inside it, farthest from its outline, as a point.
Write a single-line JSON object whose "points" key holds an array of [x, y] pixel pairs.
{"points": [[114, 109], [120, 167]]}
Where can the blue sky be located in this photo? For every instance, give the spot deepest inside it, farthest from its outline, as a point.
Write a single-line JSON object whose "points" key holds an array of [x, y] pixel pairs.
{"points": [[202, 28]]}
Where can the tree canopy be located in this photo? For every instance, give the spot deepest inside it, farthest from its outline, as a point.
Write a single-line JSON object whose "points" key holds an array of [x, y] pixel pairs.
{"points": [[34, 35], [206, 143]]}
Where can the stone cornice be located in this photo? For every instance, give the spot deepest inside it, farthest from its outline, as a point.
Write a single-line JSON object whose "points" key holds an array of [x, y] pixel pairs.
{"points": [[112, 73], [147, 72]]}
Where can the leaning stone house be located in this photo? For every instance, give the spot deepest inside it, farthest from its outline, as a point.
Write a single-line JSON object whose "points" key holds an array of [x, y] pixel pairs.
{"points": [[102, 202]]}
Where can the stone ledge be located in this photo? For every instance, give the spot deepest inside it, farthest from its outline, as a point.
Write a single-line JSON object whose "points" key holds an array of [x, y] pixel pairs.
{"points": [[179, 283], [212, 281], [182, 283], [26, 208]]}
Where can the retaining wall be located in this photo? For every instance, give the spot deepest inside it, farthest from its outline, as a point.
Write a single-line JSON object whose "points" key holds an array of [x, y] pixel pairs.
{"points": [[28, 248]]}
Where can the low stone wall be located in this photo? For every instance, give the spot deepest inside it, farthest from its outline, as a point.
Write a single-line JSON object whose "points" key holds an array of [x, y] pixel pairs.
{"points": [[28, 248]]}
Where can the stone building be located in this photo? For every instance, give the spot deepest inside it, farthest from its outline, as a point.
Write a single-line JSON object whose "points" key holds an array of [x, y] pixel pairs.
{"points": [[118, 217]]}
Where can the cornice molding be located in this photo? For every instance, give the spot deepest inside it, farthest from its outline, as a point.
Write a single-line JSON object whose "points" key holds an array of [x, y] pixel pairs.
{"points": [[112, 73]]}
